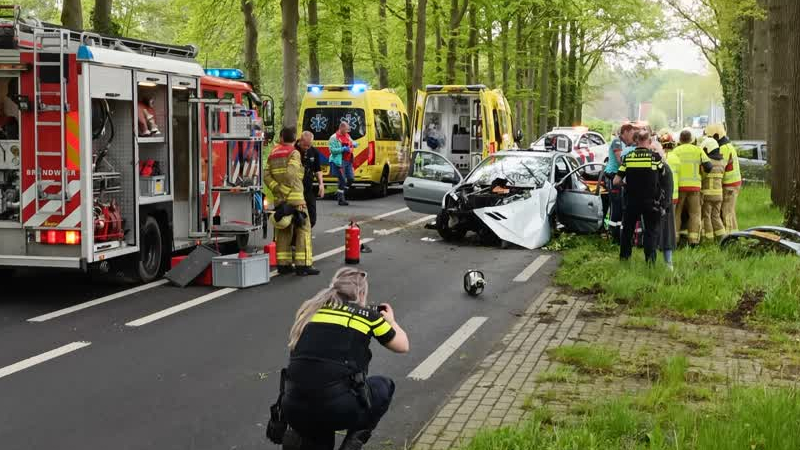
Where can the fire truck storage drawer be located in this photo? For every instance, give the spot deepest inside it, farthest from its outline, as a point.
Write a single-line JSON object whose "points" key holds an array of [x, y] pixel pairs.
{"points": [[183, 82], [110, 83], [144, 77]]}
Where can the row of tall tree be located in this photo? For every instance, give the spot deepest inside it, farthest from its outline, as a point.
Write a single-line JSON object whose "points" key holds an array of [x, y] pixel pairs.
{"points": [[752, 45], [541, 53]]}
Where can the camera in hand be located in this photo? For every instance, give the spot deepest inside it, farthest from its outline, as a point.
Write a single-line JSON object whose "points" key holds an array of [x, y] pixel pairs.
{"points": [[376, 308]]}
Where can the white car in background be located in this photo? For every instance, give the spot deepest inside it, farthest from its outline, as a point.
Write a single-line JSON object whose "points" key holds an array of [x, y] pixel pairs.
{"points": [[584, 145]]}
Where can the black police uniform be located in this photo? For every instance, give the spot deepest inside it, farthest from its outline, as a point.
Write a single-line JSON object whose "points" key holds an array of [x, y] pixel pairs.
{"points": [[311, 166], [327, 389], [641, 170]]}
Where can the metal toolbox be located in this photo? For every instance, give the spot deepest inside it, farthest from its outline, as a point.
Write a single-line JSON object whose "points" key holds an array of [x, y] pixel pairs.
{"points": [[152, 186], [235, 272]]}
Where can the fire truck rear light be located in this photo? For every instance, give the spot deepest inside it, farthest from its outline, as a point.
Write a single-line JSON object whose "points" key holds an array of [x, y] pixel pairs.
{"points": [[371, 153], [58, 237]]}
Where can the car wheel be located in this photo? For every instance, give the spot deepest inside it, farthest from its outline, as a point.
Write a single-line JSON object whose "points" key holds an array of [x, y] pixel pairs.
{"points": [[151, 254], [447, 233], [382, 189]]}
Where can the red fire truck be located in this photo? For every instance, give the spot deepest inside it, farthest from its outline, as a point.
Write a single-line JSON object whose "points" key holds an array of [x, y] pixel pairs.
{"points": [[121, 151]]}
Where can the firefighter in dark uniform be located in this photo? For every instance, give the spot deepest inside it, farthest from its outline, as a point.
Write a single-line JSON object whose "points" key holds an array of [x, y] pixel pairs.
{"points": [[312, 170], [641, 171], [326, 384]]}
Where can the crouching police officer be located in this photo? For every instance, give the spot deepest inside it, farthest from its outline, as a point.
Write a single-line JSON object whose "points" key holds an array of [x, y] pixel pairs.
{"points": [[326, 386]]}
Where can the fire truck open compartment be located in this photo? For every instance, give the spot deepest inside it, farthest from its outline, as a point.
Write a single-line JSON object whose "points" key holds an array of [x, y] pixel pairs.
{"points": [[152, 128], [10, 175]]}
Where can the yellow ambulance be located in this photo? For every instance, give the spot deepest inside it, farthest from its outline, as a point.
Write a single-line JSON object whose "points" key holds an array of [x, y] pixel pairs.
{"points": [[378, 122], [465, 123]]}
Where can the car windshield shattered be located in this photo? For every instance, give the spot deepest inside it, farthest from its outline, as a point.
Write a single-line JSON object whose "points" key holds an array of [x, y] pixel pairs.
{"points": [[520, 171]]}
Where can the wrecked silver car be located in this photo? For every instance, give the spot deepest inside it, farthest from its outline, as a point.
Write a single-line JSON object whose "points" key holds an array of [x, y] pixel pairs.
{"points": [[512, 197]]}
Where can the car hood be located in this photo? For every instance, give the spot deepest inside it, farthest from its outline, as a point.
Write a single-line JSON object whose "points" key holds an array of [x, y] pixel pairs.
{"points": [[524, 222]]}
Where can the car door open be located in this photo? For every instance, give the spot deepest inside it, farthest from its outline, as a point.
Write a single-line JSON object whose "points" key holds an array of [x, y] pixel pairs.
{"points": [[579, 208], [430, 178]]}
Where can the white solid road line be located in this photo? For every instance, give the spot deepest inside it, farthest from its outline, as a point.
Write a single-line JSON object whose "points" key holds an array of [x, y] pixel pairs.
{"points": [[99, 301], [408, 225], [531, 269], [371, 219], [180, 307], [38, 359], [448, 347]]}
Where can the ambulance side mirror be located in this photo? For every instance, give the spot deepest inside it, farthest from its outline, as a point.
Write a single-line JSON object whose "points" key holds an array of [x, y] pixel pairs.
{"points": [[268, 116]]}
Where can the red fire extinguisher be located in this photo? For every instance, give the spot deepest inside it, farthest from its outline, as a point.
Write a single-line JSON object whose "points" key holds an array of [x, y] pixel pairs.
{"points": [[352, 244]]}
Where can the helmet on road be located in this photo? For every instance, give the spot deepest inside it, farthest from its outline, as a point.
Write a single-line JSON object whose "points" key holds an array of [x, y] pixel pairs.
{"points": [[715, 130], [709, 144]]}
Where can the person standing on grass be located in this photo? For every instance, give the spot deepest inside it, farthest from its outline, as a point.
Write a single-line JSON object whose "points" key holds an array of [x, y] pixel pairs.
{"points": [[341, 160], [690, 199], [312, 171], [713, 227], [615, 192], [669, 187], [641, 171]]}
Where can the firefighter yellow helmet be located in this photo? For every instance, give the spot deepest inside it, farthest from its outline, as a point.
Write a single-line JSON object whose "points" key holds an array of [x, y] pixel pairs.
{"points": [[709, 144], [715, 130], [281, 224]]}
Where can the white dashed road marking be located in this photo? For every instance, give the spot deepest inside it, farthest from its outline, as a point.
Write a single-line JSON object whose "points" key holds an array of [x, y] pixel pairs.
{"points": [[531, 269], [38, 359], [371, 219], [448, 347]]}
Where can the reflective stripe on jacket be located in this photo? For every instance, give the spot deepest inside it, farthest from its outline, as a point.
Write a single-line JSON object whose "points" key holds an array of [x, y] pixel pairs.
{"points": [[733, 175], [692, 157], [283, 174], [712, 181]]}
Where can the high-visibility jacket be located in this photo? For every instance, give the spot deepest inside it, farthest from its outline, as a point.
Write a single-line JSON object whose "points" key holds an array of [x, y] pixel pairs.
{"points": [[674, 163], [712, 181], [733, 175], [283, 174], [692, 157]]}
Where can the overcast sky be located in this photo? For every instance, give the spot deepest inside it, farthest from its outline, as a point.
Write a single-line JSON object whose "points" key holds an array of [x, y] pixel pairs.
{"points": [[680, 54]]}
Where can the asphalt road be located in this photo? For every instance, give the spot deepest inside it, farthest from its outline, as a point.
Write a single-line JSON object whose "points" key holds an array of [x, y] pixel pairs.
{"points": [[202, 376]]}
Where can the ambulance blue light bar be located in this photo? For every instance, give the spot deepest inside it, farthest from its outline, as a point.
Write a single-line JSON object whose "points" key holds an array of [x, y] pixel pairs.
{"points": [[358, 88], [231, 74]]}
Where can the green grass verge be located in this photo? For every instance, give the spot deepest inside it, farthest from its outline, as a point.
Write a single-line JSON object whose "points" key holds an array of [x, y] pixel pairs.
{"points": [[662, 418], [707, 280], [586, 358]]}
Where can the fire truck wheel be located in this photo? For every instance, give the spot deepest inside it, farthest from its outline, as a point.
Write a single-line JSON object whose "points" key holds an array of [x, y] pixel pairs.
{"points": [[151, 255]]}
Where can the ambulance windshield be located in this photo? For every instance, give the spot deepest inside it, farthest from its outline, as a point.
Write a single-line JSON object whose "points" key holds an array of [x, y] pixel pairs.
{"points": [[324, 122]]}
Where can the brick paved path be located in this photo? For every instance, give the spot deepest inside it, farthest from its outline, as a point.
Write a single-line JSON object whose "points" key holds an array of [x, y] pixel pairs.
{"points": [[505, 386]]}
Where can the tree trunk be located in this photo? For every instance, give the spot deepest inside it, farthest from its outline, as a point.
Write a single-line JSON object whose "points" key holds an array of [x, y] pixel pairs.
{"points": [[504, 52], [544, 81], [72, 14], [530, 122], [577, 115], [519, 65], [564, 81], [313, 43], [252, 65], [490, 52], [785, 106], [757, 79], [383, 48], [572, 73], [472, 43], [552, 118], [457, 11], [409, 81], [290, 16], [419, 55], [346, 49], [437, 23], [101, 18]]}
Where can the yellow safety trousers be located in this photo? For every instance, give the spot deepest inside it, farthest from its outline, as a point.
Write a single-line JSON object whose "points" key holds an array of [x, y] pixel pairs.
{"points": [[293, 243]]}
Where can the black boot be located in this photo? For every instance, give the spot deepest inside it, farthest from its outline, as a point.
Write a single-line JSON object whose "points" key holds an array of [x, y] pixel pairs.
{"points": [[302, 271], [340, 197], [355, 439], [292, 440], [284, 270]]}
